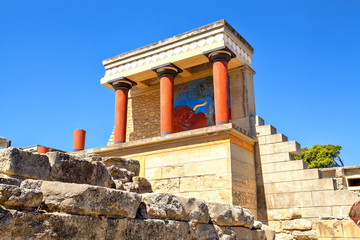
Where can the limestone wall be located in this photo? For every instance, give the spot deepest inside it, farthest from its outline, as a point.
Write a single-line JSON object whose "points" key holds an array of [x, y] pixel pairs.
{"points": [[295, 197], [50, 197], [143, 117]]}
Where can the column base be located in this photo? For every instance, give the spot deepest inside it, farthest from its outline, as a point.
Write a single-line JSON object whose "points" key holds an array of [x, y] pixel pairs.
{"points": [[76, 150], [116, 142], [222, 122], [166, 133]]}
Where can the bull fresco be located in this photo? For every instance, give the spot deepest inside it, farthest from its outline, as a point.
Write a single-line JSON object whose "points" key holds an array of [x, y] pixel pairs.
{"points": [[194, 104]]}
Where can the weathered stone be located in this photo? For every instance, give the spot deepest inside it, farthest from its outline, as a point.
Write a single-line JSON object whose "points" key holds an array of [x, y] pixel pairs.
{"points": [[82, 155], [284, 214], [15, 162], [15, 197], [257, 225], [37, 225], [144, 185], [119, 185], [87, 199], [245, 233], [31, 184], [227, 215], [129, 164], [297, 224], [131, 187], [163, 206], [284, 236], [204, 231], [269, 233], [4, 179], [120, 174], [68, 168], [304, 235], [196, 209], [144, 229]]}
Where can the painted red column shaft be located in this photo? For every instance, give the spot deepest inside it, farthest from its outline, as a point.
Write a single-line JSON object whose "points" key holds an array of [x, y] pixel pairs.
{"points": [[79, 140], [221, 92], [121, 102], [42, 149], [167, 104]]}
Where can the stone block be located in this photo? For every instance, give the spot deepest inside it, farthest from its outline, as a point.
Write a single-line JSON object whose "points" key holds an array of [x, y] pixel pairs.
{"points": [[268, 168], [172, 171], [275, 138], [161, 159], [243, 170], [143, 184], [296, 175], [4, 179], [163, 206], [204, 231], [153, 173], [269, 233], [265, 130], [259, 121], [120, 174], [291, 165], [16, 162], [37, 225], [304, 235], [284, 236], [129, 164], [284, 214], [341, 210], [189, 155], [277, 157], [276, 226], [282, 187], [317, 184], [296, 224], [214, 151], [171, 185], [350, 229], [222, 196], [241, 155], [243, 185], [69, 168], [19, 198], [289, 200], [207, 167], [333, 198], [244, 233], [90, 200], [227, 215], [329, 229], [292, 147], [315, 212], [196, 209]]}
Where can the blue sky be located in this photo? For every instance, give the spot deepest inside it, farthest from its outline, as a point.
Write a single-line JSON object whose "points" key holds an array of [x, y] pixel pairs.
{"points": [[307, 63]]}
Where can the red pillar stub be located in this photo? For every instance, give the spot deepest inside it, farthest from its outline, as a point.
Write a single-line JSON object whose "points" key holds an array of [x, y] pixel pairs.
{"points": [[79, 140], [42, 150]]}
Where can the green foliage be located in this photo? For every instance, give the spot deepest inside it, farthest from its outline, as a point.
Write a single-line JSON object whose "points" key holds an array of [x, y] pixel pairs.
{"points": [[321, 156]]}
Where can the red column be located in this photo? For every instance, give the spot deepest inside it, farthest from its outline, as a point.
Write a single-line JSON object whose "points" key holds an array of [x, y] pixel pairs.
{"points": [[167, 104], [79, 140], [42, 149], [221, 85], [122, 87], [121, 102]]}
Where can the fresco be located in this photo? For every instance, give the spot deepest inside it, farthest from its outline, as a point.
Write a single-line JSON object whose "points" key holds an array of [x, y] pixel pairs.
{"points": [[194, 104]]}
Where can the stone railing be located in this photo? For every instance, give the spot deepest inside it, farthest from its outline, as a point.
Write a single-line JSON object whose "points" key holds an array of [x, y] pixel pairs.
{"points": [[75, 196]]}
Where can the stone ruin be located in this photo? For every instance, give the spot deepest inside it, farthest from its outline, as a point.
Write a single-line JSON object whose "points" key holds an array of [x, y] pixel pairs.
{"points": [[78, 196]]}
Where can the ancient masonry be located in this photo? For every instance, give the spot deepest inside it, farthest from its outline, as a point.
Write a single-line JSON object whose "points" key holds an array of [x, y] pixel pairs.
{"points": [[203, 165], [75, 196]]}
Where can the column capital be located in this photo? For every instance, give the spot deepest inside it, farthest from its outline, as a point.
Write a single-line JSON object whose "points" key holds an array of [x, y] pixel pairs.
{"points": [[166, 70], [122, 83], [219, 54]]}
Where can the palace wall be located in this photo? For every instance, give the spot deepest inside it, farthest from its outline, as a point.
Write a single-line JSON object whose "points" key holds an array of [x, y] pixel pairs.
{"points": [[297, 199]]}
